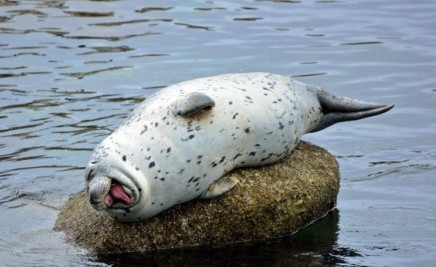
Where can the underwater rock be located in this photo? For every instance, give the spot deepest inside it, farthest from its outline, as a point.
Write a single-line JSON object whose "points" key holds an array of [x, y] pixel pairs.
{"points": [[270, 201]]}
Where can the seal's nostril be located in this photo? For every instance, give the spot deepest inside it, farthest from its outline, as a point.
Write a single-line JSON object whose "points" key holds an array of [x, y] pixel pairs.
{"points": [[92, 201]]}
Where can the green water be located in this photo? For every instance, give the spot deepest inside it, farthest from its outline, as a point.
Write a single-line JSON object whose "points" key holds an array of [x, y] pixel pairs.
{"points": [[70, 71]]}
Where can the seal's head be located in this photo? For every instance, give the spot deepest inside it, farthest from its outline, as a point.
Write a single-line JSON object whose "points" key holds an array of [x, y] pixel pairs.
{"points": [[114, 188]]}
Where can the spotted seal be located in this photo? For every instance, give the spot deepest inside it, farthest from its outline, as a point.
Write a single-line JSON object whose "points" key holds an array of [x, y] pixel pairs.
{"points": [[178, 143]]}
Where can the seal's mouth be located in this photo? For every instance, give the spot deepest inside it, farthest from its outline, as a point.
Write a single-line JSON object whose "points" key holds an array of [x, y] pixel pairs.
{"points": [[114, 190], [119, 196]]}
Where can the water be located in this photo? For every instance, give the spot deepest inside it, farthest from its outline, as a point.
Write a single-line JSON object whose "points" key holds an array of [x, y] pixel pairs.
{"points": [[70, 71]]}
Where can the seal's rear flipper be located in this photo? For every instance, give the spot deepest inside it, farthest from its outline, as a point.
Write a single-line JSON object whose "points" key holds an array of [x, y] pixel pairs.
{"points": [[220, 187], [337, 109]]}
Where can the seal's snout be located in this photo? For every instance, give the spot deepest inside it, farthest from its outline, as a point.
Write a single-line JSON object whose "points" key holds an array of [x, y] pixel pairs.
{"points": [[97, 189]]}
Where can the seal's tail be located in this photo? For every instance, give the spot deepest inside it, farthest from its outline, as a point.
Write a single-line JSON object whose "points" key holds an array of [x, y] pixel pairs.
{"points": [[338, 108]]}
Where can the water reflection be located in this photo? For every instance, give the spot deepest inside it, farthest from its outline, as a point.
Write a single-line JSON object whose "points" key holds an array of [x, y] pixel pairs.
{"points": [[314, 245], [149, 9], [191, 26], [81, 75], [89, 14]]}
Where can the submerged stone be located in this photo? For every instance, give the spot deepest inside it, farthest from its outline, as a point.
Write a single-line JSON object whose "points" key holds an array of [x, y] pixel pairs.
{"points": [[270, 201]]}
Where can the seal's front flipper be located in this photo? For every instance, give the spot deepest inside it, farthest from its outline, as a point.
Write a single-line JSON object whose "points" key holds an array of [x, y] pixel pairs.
{"points": [[220, 187], [338, 108], [191, 104]]}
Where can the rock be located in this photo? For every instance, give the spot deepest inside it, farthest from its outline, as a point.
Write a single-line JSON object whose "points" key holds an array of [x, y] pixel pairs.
{"points": [[271, 201]]}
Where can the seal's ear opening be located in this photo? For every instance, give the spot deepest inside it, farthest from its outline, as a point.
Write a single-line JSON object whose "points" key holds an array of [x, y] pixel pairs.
{"points": [[192, 104]]}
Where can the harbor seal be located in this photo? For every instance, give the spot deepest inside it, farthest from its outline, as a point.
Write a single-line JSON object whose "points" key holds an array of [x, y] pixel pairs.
{"points": [[179, 142]]}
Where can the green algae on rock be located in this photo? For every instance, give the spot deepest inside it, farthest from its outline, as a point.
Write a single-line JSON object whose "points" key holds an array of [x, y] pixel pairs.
{"points": [[270, 201]]}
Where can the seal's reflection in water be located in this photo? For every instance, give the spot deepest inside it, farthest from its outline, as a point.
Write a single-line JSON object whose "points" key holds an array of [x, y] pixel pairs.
{"points": [[314, 245]]}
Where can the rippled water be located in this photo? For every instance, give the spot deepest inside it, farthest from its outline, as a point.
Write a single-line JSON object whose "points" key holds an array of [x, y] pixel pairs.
{"points": [[70, 71]]}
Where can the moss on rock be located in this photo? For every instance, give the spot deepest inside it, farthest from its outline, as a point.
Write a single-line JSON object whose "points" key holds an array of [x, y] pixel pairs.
{"points": [[269, 201]]}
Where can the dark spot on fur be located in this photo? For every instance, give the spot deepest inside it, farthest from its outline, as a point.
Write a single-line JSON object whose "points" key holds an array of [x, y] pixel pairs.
{"points": [[162, 179], [237, 156], [151, 165], [247, 130], [144, 129], [124, 158], [252, 153], [189, 138], [234, 116], [222, 159]]}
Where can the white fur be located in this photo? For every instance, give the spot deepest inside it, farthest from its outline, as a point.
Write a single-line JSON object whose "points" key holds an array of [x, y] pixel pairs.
{"points": [[256, 120]]}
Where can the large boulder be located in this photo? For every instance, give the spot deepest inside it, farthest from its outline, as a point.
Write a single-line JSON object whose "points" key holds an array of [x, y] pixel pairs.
{"points": [[269, 201]]}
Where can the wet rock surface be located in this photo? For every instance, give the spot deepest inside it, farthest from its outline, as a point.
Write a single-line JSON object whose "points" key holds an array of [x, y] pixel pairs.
{"points": [[270, 201]]}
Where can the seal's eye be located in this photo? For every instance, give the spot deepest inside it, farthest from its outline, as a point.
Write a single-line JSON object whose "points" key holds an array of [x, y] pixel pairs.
{"points": [[88, 178]]}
